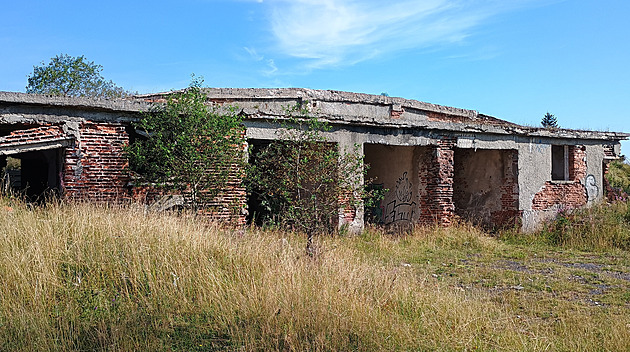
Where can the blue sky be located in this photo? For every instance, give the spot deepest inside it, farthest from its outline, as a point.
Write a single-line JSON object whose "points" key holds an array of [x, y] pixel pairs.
{"points": [[512, 59]]}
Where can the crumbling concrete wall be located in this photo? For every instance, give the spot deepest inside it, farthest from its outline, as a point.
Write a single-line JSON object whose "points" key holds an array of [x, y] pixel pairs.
{"points": [[414, 148], [544, 197]]}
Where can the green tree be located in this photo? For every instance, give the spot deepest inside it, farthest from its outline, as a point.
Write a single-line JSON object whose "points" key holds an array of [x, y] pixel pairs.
{"points": [[302, 180], [72, 76], [549, 121], [189, 146]]}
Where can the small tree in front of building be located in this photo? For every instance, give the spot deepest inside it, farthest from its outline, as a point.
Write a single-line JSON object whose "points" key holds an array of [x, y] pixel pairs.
{"points": [[302, 180], [549, 121], [189, 146]]}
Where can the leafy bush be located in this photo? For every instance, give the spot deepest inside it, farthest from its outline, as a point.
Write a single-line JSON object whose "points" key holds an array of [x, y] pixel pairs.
{"points": [[189, 146]]}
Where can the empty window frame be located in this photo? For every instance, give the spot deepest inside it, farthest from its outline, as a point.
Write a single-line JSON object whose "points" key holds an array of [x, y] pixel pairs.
{"points": [[559, 162]]}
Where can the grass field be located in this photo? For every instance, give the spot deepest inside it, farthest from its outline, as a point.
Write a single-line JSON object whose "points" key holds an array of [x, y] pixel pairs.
{"points": [[83, 277]]}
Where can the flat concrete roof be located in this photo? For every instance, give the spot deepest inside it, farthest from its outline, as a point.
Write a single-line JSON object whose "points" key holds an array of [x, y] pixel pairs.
{"points": [[336, 106]]}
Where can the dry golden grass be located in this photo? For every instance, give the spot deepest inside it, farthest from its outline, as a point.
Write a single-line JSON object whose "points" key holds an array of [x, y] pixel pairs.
{"points": [[82, 277]]}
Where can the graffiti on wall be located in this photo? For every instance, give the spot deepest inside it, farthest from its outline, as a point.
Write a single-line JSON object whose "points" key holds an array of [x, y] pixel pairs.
{"points": [[402, 208], [592, 191]]}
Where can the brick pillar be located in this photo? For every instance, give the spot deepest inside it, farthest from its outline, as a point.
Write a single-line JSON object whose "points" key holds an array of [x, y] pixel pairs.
{"points": [[436, 204], [95, 168]]}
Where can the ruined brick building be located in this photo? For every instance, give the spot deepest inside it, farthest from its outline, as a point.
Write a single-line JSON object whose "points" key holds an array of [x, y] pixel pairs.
{"points": [[436, 162]]}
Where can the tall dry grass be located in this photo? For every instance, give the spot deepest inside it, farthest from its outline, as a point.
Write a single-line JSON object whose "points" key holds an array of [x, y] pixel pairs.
{"points": [[603, 227], [82, 277]]}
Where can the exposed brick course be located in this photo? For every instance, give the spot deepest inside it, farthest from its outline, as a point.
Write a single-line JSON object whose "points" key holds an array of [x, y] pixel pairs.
{"points": [[567, 194], [95, 167], [48, 133], [436, 200], [509, 213]]}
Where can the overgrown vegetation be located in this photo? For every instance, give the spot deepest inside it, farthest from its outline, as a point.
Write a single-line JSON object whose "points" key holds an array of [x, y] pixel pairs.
{"points": [[619, 176], [189, 146], [82, 277], [600, 228], [302, 180]]}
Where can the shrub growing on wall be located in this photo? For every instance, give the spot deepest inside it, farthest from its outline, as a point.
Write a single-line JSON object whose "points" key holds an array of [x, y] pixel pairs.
{"points": [[189, 146]]}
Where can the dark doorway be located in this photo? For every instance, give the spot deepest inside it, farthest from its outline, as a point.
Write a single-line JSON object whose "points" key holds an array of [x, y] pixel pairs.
{"points": [[257, 212], [36, 175]]}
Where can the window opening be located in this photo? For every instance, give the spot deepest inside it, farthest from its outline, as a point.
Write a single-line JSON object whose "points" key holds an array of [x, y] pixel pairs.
{"points": [[559, 162]]}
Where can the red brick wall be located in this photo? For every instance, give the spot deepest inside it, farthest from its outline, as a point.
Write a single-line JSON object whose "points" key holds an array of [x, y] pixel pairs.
{"points": [[577, 163], [570, 194], [436, 201], [95, 169], [229, 206], [509, 214], [33, 135]]}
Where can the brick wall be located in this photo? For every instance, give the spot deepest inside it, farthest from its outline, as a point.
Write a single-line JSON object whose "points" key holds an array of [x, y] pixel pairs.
{"points": [[509, 214], [436, 200], [46, 133], [577, 163], [568, 194], [229, 205], [95, 168]]}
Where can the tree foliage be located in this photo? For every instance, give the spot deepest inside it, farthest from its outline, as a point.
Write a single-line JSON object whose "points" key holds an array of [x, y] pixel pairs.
{"points": [[302, 180], [549, 121], [72, 76], [189, 146]]}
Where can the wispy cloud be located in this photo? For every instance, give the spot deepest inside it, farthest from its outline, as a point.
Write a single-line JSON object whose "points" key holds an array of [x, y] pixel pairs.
{"points": [[271, 67], [344, 32], [269, 64], [253, 54]]}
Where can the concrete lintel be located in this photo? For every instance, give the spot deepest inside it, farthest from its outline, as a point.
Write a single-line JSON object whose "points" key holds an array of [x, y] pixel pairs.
{"points": [[31, 147]]}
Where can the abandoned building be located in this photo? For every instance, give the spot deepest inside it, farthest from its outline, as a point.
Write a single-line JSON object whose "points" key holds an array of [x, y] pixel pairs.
{"points": [[436, 163]]}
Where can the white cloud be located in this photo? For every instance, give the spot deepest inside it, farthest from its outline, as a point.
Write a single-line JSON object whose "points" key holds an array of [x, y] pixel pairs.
{"points": [[271, 67], [342, 32], [253, 54]]}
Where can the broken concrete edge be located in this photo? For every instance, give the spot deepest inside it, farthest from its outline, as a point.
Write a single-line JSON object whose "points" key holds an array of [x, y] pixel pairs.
{"points": [[305, 94], [479, 123], [475, 123], [448, 128], [124, 105]]}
